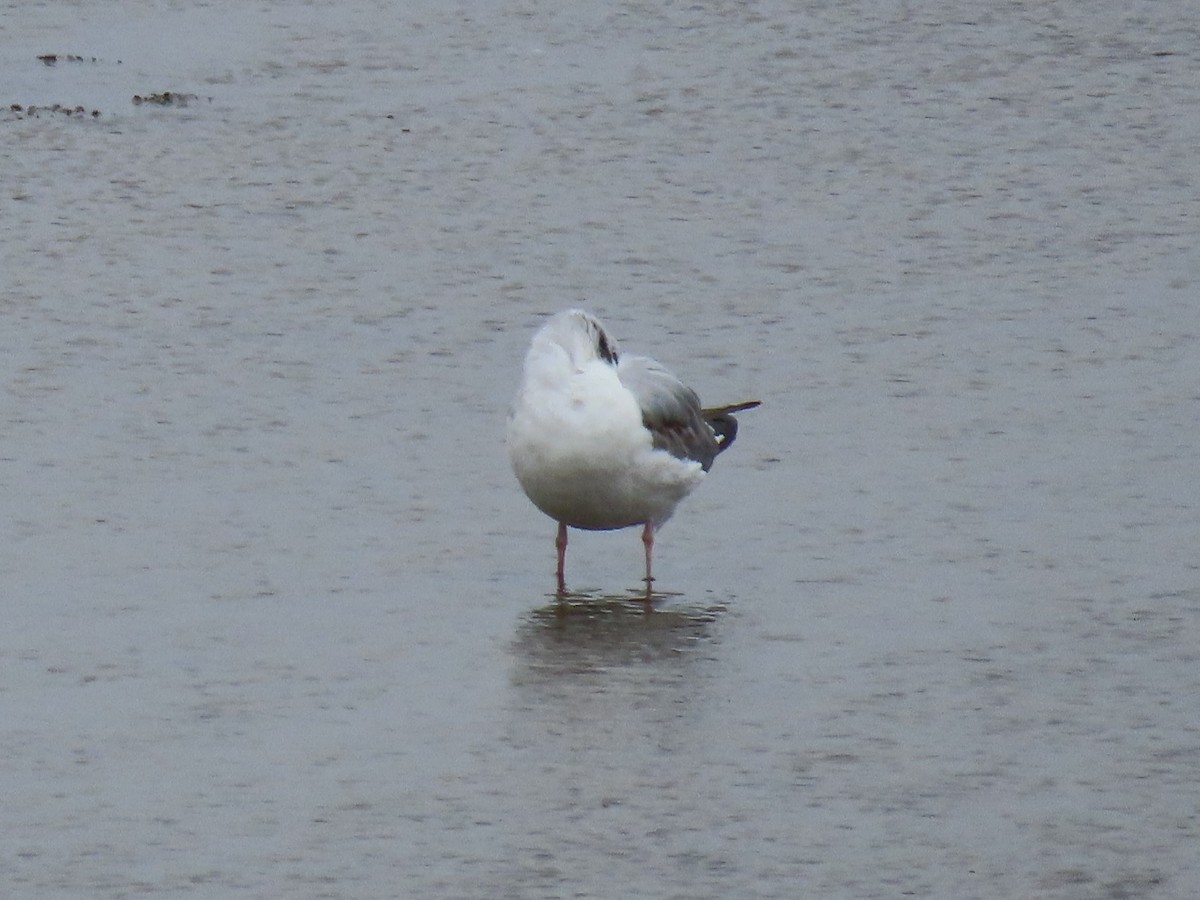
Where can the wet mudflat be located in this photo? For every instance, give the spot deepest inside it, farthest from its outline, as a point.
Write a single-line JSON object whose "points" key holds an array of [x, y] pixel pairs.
{"points": [[277, 618]]}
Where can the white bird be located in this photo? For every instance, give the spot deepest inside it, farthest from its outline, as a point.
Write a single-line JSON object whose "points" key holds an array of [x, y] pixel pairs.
{"points": [[601, 441]]}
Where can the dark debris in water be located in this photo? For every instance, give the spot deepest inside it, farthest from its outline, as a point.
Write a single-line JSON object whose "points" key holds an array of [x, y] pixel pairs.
{"points": [[33, 111], [166, 98], [53, 59]]}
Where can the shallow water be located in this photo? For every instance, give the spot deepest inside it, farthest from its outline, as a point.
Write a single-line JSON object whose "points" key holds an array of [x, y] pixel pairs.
{"points": [[278, 618]]}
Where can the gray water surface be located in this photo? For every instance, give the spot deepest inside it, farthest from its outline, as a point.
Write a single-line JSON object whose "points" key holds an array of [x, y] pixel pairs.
{"points": [[276, 616]]}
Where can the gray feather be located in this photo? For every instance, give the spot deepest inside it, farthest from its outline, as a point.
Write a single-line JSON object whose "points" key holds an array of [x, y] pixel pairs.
{"points": [[672, 412]]}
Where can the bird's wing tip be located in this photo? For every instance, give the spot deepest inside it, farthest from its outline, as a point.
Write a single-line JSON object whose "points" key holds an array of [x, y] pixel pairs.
{"points": [[731, 408]]}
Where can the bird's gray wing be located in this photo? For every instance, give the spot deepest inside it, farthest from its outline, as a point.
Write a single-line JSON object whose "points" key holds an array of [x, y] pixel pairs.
{"points": [[670, 410]]}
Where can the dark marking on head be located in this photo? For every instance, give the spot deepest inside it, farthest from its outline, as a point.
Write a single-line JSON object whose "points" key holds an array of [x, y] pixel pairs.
{"points": [[604, 346]]}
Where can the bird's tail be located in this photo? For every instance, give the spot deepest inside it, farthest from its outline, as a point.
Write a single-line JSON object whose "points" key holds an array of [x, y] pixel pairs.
{"points": [[722, 422]]}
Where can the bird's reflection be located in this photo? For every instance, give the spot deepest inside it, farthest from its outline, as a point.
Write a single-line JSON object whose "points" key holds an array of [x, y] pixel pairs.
{"points": [[596, 674], [582, 632]]}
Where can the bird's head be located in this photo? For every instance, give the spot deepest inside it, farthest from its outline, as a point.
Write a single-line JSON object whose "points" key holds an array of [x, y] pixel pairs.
{"points": [[581, 336]]}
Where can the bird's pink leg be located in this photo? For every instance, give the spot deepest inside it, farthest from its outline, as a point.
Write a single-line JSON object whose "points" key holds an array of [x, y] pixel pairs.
{"points": [[648, 542], [561, 543]]}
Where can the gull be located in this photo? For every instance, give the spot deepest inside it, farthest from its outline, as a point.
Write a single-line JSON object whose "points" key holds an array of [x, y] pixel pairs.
{"points": [[600, 440]]}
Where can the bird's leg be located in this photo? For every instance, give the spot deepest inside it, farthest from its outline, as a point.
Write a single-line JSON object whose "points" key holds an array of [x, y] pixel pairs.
{"points": [[561, 543], [648, 542]]}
